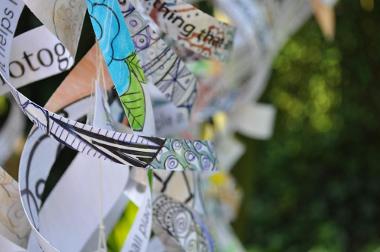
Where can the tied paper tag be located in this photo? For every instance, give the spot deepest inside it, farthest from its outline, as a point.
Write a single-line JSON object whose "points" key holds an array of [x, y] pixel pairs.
{"points": [[255, 121], [78, 207], [113, 178], [36, 161]]}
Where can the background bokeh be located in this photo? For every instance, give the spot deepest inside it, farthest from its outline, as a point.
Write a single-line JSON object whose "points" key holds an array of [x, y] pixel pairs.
{"points": [[314, 186]]}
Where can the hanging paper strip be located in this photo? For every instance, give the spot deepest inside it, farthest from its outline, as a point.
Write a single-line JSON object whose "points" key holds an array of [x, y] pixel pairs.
{"points": [[159, 62], [184, 226], [37, 59], [191, 28], [51, 177], [124, 148], [120, 56]]}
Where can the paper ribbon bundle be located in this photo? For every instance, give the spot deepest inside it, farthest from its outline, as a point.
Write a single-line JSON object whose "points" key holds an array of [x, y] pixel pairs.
{"points": [[159, 75]]}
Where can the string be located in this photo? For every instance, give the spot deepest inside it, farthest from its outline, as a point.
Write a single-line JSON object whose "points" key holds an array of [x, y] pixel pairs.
{"points": [[102, 244]]}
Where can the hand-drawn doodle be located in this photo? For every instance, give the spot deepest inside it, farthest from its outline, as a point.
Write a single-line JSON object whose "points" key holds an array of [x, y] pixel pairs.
{"points": [[118, 51], [13, 222], [134, 100], [160, 63], [183, 225], [186, 155], [124, 148]]}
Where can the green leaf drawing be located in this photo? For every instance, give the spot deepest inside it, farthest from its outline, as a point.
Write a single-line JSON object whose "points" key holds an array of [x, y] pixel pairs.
{"points": [[133, 100]]}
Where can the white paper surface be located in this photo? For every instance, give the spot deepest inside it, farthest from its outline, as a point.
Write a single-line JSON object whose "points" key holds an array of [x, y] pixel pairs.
{"points": [[255, 120], [37, 59]]}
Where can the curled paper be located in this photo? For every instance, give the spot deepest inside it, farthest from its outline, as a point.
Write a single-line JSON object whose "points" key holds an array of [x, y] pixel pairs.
{"points": [[139, 64], [119, 54], [183, 225], [44, 201], [37, 59], [160, 63], [123, 148], [14, 225], [64, 18], [121, 51], [192, 28]]}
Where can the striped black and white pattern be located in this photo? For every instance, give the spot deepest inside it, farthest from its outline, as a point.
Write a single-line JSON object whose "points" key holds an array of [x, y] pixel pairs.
{"points": [[123, 148]]}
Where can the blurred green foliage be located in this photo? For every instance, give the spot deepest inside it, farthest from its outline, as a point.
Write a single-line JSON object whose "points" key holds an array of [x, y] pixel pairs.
{"points": [[315, 185]]}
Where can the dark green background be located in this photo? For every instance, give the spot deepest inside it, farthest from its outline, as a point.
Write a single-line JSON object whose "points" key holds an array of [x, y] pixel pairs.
{"points": [[315, 185]]}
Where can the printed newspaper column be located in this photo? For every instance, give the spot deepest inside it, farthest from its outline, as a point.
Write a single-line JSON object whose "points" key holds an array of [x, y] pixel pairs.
{"points": [[10, 11], [37, 59], [192, 28]]}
